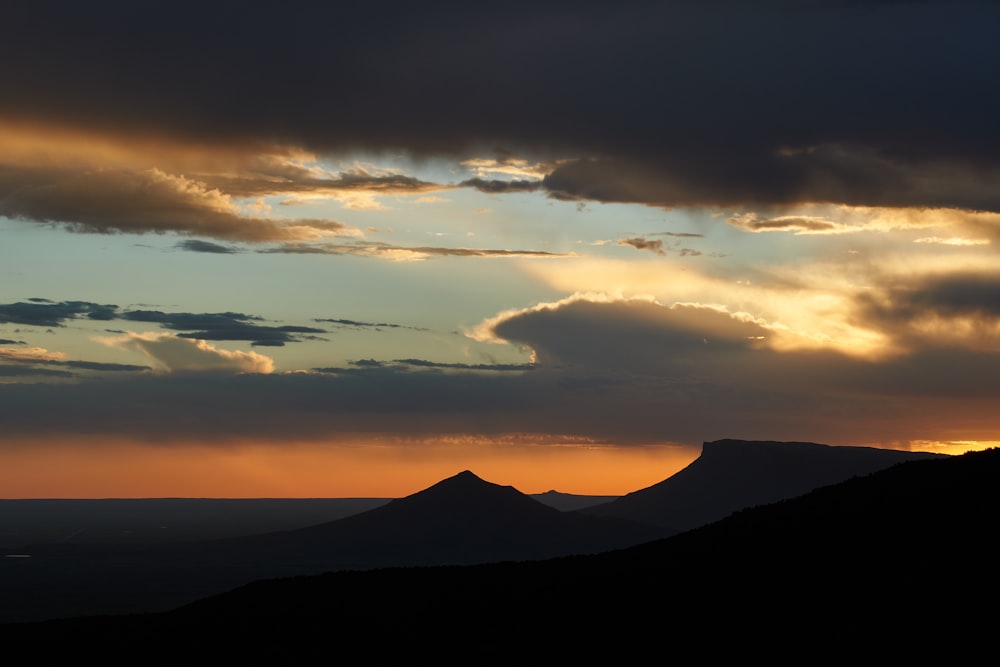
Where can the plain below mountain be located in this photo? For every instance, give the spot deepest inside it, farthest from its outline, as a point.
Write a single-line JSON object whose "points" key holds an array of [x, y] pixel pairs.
{"points": [[460, 520]]}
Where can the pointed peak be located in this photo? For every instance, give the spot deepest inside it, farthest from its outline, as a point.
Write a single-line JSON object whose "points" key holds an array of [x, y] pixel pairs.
{"points": [[465, 487], [463, 480]]}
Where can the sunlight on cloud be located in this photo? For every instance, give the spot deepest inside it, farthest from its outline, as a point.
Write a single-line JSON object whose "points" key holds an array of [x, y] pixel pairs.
{"points": [[30, 354], [485, 331], [516, 167], [173, 354], [141, 184], [147, 201], [804, 307], [712, 320], [788, 223], [956, 241], [843, 219]]}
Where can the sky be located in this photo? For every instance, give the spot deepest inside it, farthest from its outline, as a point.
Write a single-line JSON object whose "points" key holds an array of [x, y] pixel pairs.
{"points": [[288, 250]]}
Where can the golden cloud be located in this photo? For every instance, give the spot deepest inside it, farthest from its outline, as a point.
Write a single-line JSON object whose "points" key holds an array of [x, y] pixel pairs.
{"points": [[174, 354]]}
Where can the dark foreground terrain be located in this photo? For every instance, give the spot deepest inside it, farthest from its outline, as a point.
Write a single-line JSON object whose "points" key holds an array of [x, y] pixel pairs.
{"points": [[96, 568], [896, 565]]}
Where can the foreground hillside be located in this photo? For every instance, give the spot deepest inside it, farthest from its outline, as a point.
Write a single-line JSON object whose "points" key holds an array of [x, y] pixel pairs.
{"points": [[894, 565]]}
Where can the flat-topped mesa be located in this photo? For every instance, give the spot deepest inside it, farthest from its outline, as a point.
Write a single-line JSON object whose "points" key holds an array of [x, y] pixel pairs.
{"points": [[732, 474], [733, 445]]}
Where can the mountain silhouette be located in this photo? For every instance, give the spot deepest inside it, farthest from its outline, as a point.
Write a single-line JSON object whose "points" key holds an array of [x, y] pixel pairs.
{"points": [[459, 520], [893, 565], [731, 475]]}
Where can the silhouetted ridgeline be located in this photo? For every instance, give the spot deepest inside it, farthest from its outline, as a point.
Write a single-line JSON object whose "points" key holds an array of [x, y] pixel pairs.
{"points": [[891, 566], [734, 474]]}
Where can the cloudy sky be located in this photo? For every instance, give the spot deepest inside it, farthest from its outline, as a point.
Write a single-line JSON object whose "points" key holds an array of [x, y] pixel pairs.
{"points": [[275, 249]]}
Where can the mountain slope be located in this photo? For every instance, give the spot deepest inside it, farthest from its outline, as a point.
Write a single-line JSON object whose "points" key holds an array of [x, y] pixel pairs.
{"points": [[731, 475], [460, 520]]}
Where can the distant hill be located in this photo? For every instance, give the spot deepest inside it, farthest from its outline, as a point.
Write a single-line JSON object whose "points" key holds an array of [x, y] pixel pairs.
{"points": [[731, 475], [893, 565], [460, 520], [568, 502]]}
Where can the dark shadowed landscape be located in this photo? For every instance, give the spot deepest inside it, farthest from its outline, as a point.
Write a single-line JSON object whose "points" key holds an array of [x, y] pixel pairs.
{"points": [[884, 550], [414, 333]]}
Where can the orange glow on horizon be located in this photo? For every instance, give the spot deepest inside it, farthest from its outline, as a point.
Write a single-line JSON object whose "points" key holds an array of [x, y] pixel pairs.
{"points": [[101, 469]]}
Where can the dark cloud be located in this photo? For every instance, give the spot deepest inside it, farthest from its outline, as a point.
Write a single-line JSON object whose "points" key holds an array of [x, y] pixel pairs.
{"points": [[837, 174], [802, 224], [937, 310], [290, 180], [377, 326], [422, 363], [37, 361], [956, 295], [374, 400], [708, 349], [502, 187], [875, 103], [102, 366], [195, 245], [657, 247], [620, 371], [657, 377], [407, 365], [19, 371], [654, 246], [367, 363], [205, 326], [637, 337], [8, 341], [44, 313], [224, 326], [144, 201]]}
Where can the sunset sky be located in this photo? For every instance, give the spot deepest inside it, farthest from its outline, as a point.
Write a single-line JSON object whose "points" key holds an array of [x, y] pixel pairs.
{"points": [[287, 249]]}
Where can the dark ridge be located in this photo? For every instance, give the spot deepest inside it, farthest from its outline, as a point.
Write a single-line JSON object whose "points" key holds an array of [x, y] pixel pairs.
{"points": [[730, 475]]}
